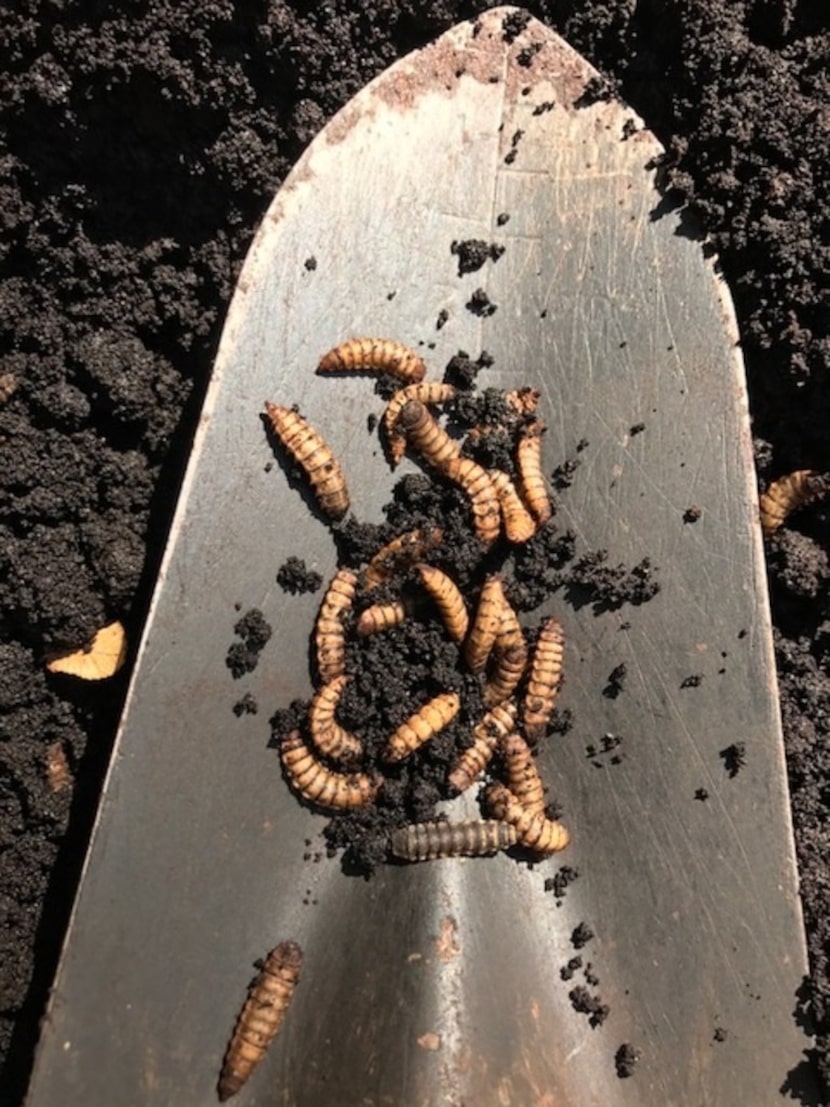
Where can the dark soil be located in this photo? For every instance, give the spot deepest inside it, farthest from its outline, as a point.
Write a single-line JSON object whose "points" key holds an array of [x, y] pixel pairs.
{"points": [[139, 152]]}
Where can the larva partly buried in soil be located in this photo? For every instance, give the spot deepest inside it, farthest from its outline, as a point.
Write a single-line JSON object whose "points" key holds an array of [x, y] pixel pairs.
{"points": [[261, 1016], [789, 493], [381, 616], [425, 392], [448, 600], [314, 456], [329, 632], [380, 355], [543, 680], [399, 554], [322, 786], [476, 482], [495, 725], [532, 487], [428, 721], [329, 737], [472, 838], [534, 831]]}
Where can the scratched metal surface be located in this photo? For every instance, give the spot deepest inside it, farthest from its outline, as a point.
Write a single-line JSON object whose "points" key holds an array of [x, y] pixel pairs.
{"points": [[197, 865]]}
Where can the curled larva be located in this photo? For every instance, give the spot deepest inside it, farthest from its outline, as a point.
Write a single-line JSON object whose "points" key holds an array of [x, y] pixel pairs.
{"points": [[521, 775], [329, 633], [543, 680], [428, 721], [524, 400], [532, 487], [399, 554], [261, 1016], [509, 658], [519, 524], [472, 838], [495, 725], [425, 392], [425, 435], [789, 493], [534, 831], [309, 449], [448, 600], [380, 355], [329, 737], [476, 482], [320, 785], [485, 626], [382, 616]]}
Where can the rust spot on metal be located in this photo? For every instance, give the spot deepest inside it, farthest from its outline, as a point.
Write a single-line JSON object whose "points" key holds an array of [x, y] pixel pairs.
{"points": [[446, 945]]}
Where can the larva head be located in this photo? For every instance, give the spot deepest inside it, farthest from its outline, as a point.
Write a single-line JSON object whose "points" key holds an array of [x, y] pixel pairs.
{"points": [[412, 413], [287, 955]]}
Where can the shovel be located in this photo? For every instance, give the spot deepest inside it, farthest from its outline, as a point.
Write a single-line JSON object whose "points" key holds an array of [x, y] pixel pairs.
{"points": [[457, 981]]}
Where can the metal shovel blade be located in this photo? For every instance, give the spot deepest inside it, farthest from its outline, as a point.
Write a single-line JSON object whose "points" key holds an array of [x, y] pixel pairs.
{"points": [[441, 983]]}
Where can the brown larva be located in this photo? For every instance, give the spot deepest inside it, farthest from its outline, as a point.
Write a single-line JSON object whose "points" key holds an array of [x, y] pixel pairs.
{"points": [[519, 524], [426, 436], [524, 400], [426, 392], [320, 785], [399, 554], [472, 838], [485, 625], [329, 633], [382, 616], [428, 721], [543, 681], [510, 656], [310, 450], [532, 486], [448, 600], [535, 832], [261, 1016], [495, 725], [380, 355], [521, 775], [789, 493], [482, 493], [329, 738]]}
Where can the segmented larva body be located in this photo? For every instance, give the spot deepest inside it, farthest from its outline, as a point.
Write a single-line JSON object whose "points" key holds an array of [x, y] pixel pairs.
{"points": [[380, 355], [510, 654], [322, 786], [532, 487], [448, 600], [382, 616], [789, 493], [487, 734], [329, 737], [399, 554], [423, 725], [311, 452], [261, 1016], [507, 672], [521, 775], [425, 435], [476, 482], [523, 400], [535, 832], [329, 633], [519, 524], [425, 392], [472, 838], [486, 624], [543, 681]]}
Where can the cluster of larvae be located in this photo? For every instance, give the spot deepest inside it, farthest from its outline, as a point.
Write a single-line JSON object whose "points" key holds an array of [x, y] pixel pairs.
{"points": [[323, 765]]}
